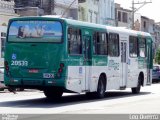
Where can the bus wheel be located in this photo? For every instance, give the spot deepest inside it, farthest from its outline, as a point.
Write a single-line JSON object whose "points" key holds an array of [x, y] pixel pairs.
{"points": [[11, 89], [137, 89], [101, 87], [53, 94]]}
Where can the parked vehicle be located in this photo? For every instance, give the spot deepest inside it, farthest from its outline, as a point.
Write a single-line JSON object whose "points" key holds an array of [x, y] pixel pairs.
{"points": [[2, 86], [156, 73]]}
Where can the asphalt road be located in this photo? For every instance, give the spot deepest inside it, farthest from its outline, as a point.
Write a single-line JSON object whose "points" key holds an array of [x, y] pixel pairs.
{"points": [[115, 102]]}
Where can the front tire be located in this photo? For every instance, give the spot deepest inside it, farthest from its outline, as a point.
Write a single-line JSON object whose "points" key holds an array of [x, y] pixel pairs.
{"points": [[53, 94]]}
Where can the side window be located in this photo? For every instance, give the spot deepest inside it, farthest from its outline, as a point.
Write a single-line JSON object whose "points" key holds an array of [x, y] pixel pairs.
{"points": [[133, 46], [100, 43], [113, 45], [74, 41], [142, 47]]}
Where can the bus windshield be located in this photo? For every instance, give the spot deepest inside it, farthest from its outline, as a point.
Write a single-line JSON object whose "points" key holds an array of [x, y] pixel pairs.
{"points": [[35, 31]]}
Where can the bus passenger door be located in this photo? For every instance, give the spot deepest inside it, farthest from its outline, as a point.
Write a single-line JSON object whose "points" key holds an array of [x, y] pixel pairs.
{"points": [[87, 61], [124, 57], [149, 61]]}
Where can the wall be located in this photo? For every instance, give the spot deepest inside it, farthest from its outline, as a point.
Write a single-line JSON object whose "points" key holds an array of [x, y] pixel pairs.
{"points": [[88, 11], [144, 24], [66, 8], [48, 7], [119, 16], [6, 13], [106, 12]]}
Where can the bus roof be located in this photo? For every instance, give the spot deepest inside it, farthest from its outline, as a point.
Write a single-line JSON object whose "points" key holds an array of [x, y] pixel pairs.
{"points": [[109, 28], [89, 25]]}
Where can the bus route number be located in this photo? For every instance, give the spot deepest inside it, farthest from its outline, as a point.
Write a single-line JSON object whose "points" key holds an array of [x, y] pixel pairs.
{"points": [[19, 63]]}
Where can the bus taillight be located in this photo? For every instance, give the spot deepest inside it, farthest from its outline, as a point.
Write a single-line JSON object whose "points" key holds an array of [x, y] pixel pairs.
{"points": [[60, 70], [6, 66], [61, 65]]}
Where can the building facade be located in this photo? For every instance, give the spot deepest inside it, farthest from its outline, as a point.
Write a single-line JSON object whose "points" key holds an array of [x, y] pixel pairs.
{"points": [[6, 12], [123, 17], [157, 35], [106, 12], [65, 8], [97, 11], [88, 11], [144, 24]]}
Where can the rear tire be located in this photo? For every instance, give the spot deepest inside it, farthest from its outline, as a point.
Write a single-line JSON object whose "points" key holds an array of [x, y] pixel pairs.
{"points": [[53, 94], [137, 89], [101, 87], [1, 89], [11, 89]]}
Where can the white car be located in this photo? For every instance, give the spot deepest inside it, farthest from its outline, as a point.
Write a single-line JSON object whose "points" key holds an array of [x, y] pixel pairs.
{"points": [[2, 86]]}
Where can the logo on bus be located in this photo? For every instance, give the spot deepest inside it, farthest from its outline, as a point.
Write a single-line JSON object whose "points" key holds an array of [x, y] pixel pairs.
{"points": [[113, 64], [14, 56]]}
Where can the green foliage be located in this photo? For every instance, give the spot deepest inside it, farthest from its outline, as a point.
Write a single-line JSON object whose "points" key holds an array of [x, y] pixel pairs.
{"points": [[157, 58]]}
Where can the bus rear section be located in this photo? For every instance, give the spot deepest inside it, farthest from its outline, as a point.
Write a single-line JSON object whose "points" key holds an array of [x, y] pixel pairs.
{"points": [[34, 53]]}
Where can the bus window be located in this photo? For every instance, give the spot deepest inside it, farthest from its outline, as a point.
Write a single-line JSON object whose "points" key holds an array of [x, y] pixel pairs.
{"points": [[74, 41], [142, 47], [100, 43], [35, 31], [133, 46], [113, 45]]}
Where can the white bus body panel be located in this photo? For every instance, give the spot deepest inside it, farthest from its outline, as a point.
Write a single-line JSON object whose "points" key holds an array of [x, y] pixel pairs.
{"points": [[118, 74]]}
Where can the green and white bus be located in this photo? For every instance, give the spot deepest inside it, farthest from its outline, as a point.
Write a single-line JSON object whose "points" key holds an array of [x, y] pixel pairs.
{"points": [[59, 55]]}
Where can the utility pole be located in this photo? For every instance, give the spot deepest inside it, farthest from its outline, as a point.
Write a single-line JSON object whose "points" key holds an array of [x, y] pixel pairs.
{"points": [[68, 8], [136, 9]]}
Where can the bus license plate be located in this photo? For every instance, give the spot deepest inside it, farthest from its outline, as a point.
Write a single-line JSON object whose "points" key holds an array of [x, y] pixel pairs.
{"points": [[48, 75]]}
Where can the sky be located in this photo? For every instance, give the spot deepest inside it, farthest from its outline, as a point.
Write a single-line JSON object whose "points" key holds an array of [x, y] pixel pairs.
{"points": [[150, 10]]}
